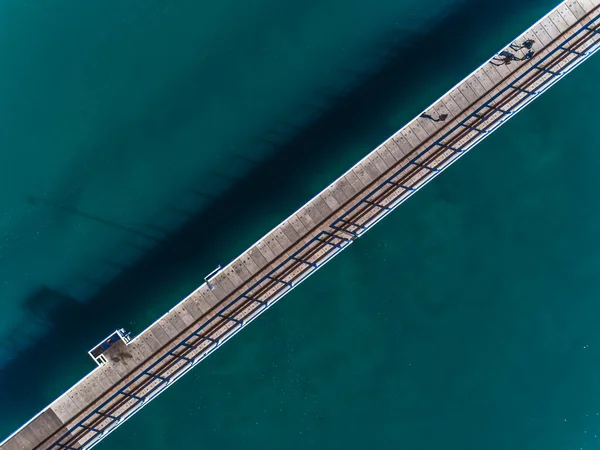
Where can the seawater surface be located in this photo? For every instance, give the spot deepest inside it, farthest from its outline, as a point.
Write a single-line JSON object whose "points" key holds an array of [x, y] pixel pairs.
{"points": [[142, 143]]}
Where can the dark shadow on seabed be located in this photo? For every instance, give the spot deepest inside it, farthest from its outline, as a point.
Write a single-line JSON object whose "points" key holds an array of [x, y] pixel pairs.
{"points": [[320, 147]]}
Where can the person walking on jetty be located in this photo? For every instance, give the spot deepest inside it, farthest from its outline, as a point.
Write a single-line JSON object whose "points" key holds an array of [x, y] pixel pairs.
{"points": [[528, 44], [527, 56], [441, 117], [503, 58]]}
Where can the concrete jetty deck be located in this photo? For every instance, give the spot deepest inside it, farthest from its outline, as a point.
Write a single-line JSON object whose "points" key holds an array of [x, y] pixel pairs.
{"points": [[132, 372]]}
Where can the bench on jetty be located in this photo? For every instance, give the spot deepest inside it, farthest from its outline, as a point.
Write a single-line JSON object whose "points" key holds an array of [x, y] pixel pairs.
{"points": [[131, 372]]}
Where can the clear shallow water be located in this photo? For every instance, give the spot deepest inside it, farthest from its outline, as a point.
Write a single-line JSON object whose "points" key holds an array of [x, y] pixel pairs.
{"points": [[467, 319]]}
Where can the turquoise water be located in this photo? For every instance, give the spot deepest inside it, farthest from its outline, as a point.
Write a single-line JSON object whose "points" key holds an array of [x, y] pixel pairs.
{"points": [[133, 135]]}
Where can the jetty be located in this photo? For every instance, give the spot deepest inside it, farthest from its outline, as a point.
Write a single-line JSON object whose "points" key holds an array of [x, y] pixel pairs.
{"points": [[131, 371]]}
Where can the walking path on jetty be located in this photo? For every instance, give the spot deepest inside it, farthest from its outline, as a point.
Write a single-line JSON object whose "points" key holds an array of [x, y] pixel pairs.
{"points": [[131, 372]]}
